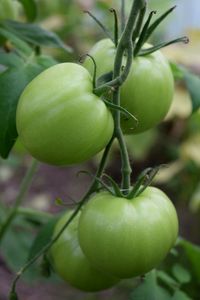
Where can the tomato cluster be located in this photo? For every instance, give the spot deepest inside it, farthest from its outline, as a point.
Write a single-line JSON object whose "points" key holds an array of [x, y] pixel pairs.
{"points": [[61, 121], [114, 238]]}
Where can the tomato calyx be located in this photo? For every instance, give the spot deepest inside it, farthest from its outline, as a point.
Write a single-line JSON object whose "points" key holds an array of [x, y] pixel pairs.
{"points": [[143, 181], [148, 29]]}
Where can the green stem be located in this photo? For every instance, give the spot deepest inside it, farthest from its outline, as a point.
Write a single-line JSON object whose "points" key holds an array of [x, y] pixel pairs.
{"points": [[91, 189], [27, 180], [125, 44]]}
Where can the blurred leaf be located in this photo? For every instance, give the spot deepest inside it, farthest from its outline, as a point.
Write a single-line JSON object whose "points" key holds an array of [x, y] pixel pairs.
{"points": [[35, 35], [30, 9], [193, 124], [12, 82], [177, 71], [195, 200], [150, 290], [179, 295], [193, 253], [3, 212], [192, 82], [181, 274], [164, 277], [43, 237], [45, 61], [22, 46], [10, 59], [15, 246], [167, 173], [181, 106], [189, 149]]}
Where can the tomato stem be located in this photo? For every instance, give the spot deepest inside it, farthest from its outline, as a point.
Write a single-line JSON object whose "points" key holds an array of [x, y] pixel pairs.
{"points": [[125, 45]]}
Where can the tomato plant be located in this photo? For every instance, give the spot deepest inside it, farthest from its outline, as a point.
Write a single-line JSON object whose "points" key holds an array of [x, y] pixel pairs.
{"points": [[148, 91], [59, 119], [70, 263], [128, 237], [62, 118]]}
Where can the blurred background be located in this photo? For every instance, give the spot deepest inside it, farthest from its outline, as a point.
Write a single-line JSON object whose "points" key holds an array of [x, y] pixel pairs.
{"points": [[175, 142]]}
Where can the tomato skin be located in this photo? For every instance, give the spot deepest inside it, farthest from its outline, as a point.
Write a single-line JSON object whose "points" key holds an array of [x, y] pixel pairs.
{"points": [[148, 91], [59, 119], [127, 238], [70, 263]]}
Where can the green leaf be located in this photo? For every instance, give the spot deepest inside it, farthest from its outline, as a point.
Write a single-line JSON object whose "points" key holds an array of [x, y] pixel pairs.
{"points": [[165, 278], [192, 82], [12, 82], [193, 253], [15, 246], [181, 274], [150, 290], [30, 9], [43, 238], [10, 59], [177, 71], [179, 295], [35, 35], [22, 46]]}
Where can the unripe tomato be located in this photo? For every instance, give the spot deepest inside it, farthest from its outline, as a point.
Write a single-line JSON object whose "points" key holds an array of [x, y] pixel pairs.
{"points": [[148, 91], [70, 263], [7, 10], [127, 238], [59, 119]]}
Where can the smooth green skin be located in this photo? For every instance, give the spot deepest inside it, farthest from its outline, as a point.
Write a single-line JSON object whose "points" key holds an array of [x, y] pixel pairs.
{"points": [[70, 263], [127, 238], [7, 10], [59, 119], [148, 91]]}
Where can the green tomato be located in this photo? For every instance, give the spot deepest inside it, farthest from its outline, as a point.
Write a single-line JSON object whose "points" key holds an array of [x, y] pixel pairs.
{"points": [[59, 119], [127, 238], [148, 91], [70, 263], [8, 10]]}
